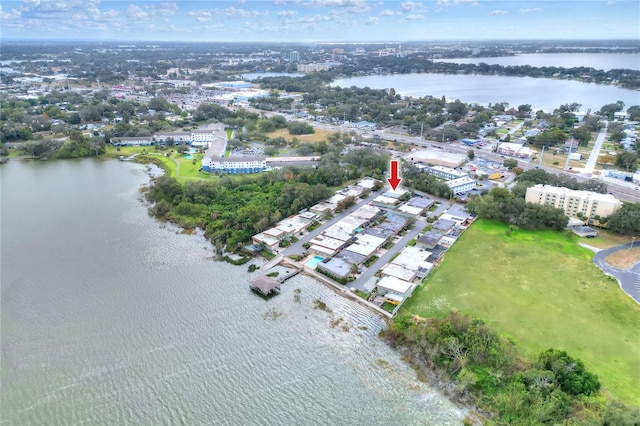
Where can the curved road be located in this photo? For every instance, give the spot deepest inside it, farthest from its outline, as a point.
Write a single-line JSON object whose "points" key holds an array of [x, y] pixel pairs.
{"points": [[629, 279]]}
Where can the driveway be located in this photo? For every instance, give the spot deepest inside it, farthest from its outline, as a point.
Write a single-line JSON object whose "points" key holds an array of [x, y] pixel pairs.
{"points": [[359, 283], [629, 279], [297, 247], [595, 152]]}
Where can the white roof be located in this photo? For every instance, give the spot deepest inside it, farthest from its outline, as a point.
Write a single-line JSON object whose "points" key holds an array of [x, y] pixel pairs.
{"points": [[413, 258], [398, 272], [385, 200], [394, 284], [327, 242], [410, 209], [366, 244], [323, 250], [365, 212], [367, 183]]}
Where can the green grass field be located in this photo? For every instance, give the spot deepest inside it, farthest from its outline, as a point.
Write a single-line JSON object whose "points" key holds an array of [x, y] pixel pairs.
{"points": [[541, 290], [175, 165]]}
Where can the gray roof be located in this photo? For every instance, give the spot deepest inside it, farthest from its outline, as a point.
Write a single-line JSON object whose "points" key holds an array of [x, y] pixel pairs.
{"points": [[264, 284], [336, 266], [430, 238], [443, 224], [420, 202]]}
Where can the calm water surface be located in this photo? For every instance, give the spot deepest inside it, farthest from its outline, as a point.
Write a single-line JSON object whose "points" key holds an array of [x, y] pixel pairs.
{"points": [[541, 93], [599, 61], [110, 317]]}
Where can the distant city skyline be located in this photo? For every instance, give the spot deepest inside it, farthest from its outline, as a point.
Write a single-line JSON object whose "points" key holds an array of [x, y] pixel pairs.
{"points": [[319, 20]]}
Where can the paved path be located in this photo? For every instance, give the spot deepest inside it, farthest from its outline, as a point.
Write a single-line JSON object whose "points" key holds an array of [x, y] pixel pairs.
{"points": [[595, 152], [359, 283], [629, 279]]}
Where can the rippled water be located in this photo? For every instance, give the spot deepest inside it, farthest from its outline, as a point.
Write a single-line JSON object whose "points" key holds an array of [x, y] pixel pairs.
{"points": [[110, 317]]}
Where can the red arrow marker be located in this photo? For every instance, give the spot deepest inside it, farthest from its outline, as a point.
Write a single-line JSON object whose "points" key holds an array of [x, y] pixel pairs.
{"points": [[395, 179]]}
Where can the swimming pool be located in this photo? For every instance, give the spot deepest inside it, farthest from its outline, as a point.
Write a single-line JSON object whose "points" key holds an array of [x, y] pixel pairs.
{"points": [[188, 157], [313, 262]]}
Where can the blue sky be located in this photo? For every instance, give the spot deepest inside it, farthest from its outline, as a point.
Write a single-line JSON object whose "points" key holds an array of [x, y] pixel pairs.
{"points": [[319, 20]]}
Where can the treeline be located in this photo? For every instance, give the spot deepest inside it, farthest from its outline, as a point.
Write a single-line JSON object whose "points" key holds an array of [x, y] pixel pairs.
{"points": [[502, 205], [414, 178], [550, 388], [75, 146], [232, 209], [539, 176]]}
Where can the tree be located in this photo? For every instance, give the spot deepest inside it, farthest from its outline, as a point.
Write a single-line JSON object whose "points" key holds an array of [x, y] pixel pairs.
{"points": [[550, 137], [610, 109], [569, 372], [510, 163], [626, 220], [627, 159], [471, 154]]}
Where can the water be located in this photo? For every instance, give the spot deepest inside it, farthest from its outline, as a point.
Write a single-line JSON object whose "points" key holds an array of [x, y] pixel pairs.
{"points": [[110, 317], [541, 93], [256, 75], [599, 61], [313, 262]]}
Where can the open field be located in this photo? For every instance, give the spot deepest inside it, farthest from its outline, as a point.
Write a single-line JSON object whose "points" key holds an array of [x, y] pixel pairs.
{"points": [[319, 136], [624, 259], [541, 290]]}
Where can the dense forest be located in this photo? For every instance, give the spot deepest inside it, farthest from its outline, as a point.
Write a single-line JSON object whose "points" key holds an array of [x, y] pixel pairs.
{"points": [[232, 209]]}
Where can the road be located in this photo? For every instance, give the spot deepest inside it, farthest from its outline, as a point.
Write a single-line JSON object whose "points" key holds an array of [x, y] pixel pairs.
{"points": [[359, 283], [619, 190], [629, 279], [595, 152], [297, 248]]}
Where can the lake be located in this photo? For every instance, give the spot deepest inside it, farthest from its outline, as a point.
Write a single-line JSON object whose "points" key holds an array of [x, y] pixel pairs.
{"points": [[111, 317], [599, 61], [541, 93]]}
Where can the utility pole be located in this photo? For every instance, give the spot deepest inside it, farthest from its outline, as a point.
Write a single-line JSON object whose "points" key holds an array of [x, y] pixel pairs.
{"points": [[421, 129]]}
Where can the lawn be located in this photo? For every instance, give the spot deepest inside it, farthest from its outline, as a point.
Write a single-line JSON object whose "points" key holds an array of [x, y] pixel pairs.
{"points": [[541, 290], [624, 259], [319, 136], [175, 165], [607, 239]]}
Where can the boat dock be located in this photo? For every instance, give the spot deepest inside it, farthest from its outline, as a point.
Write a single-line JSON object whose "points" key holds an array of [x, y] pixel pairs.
{"points": [[267, 285]]}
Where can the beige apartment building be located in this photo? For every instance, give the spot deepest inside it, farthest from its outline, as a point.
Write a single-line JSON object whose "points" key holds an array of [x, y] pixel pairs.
{"points": [[590, 204]]}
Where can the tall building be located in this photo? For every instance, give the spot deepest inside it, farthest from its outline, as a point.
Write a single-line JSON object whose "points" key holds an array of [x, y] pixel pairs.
{"points": [[294, 56], [589, 203]]}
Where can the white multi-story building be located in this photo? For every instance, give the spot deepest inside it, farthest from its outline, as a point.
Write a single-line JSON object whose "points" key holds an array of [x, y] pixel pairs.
{"points": [[462, 184], [234, 164], [446, 173], [588, 203]]}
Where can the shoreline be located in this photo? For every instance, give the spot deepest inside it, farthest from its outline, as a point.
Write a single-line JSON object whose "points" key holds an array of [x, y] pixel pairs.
{"points": [[432, 377]]}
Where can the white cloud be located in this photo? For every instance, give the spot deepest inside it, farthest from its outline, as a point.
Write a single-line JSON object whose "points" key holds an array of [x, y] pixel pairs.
{"points": [[531, 10], [411, 6], [413, 17], [201, 15], [136, 12], [166, 9], [287, 13], [372, 20], [388, 12], [498, 12], [232, 12]]}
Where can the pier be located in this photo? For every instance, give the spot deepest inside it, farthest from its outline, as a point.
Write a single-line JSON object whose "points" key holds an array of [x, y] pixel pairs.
{"points": [[266, 285]]}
